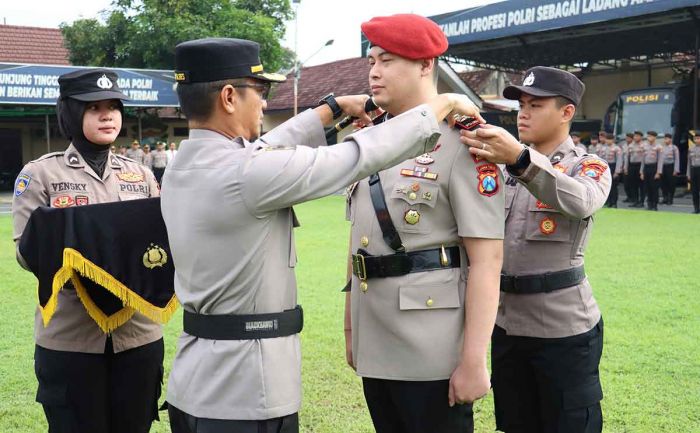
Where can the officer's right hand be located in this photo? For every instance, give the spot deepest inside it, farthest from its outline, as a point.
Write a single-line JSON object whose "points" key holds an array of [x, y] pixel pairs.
{"points": [[468, 383], [447, 105], [354, 105]]}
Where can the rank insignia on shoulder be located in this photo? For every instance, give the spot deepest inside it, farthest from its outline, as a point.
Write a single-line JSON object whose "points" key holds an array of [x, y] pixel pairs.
{"points": [[593, 169], [130, 177], [425, 159], [420, 172], [154, 256], [548, 226], [488, 179], [22, 183], [63, 201], [466, 122]]}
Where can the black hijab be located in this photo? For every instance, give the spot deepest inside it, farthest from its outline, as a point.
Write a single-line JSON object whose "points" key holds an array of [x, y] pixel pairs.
{"points": [[70, 121]]}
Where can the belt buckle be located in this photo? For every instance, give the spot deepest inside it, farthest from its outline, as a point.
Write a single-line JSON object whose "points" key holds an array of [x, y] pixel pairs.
{"points": [[358, 266]]}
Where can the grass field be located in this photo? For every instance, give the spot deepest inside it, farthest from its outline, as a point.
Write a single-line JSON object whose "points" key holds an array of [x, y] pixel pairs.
{"points": [[644, 267]]}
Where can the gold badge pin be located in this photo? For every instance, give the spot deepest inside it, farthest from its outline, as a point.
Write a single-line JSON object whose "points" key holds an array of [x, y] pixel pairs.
{"points": [[363, 286], [412, 196], [429, 302], [364, 240], [155, 256], [427, 196], [411, 216]]}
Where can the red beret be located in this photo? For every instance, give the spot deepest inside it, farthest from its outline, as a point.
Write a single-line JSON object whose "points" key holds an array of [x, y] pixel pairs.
{"points": [[407, 35]]}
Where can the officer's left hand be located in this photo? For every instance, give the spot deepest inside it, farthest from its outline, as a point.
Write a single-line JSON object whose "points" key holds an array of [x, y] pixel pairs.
{"points": [[657, 176], [468, 384], [492, 143]]}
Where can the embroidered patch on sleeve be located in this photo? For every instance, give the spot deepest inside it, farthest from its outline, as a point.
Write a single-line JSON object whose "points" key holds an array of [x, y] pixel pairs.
{"points": [[593, 169], [488, 179], [22, 183]]}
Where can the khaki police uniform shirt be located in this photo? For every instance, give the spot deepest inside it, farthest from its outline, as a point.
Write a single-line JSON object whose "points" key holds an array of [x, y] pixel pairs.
{"points": [[650, 155], [63, 179], [135, 154], [549, 217], [148, 160], [635, 153], [669, 155], [411, 327], [693, 159], [612, 154], [227, 207], [159, 158], [625, 152]]}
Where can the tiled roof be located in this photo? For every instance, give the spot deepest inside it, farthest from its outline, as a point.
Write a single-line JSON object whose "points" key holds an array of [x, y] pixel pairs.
{"points": [[479, 79], [38, 45], [343, 77]]}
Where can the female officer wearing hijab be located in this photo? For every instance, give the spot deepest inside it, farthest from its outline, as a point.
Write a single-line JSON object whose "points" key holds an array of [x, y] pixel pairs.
{"points": [[90, 381]]}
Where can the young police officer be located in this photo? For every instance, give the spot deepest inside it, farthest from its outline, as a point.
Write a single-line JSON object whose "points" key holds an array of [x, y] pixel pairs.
{"points": [[426, 248], [227, 203], [548, 341], [90, 381]]}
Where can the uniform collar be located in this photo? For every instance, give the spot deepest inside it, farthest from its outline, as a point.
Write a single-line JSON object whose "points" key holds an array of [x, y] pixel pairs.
{"points": [[72, 157], [562, 150], [114, 161], [204, 134]]}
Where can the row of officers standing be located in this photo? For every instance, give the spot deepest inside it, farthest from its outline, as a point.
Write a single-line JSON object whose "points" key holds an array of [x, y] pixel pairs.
{"points": [[155, 160], [643, 165], [458, 240]]}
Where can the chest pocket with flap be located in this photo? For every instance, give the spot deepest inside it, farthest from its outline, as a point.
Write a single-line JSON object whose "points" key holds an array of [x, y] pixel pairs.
{"points": [[412, 204], [546, 224]]}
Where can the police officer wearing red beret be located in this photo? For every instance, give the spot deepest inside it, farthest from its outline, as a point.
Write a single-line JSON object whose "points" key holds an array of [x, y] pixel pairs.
{"points": [[424, 289], [227, 201]]}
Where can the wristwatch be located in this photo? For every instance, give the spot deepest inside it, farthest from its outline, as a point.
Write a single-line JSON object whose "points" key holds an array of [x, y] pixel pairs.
{"points": [[332, 104], [522, 162]]}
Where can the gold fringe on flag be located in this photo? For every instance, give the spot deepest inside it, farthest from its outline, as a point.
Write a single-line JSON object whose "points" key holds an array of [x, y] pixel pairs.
{"points": [[74, 262]]}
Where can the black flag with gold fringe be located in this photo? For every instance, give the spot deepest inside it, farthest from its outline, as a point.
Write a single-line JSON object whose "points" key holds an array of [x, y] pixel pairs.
{"points": [[115, 255]]}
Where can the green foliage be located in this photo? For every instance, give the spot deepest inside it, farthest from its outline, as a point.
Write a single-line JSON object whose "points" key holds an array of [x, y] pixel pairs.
{"points": [[143, 34], [642, 266]]}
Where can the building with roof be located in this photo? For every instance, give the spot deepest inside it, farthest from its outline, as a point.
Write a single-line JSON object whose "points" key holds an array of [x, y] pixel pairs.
{"points": [[342, 77], [31, 59]]}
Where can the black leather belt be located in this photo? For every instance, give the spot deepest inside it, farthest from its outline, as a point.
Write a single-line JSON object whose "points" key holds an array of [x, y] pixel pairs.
{"points": [[527, 284], [244, 326], [366, 266]]}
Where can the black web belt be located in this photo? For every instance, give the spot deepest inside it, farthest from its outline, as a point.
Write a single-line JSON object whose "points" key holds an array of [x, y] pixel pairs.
{"points": [[391, 236], [366, 266], [244, 326], [528, 284]]}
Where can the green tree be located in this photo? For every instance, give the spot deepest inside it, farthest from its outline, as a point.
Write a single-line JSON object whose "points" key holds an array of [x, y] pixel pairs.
{"points": [[143, 33]]}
